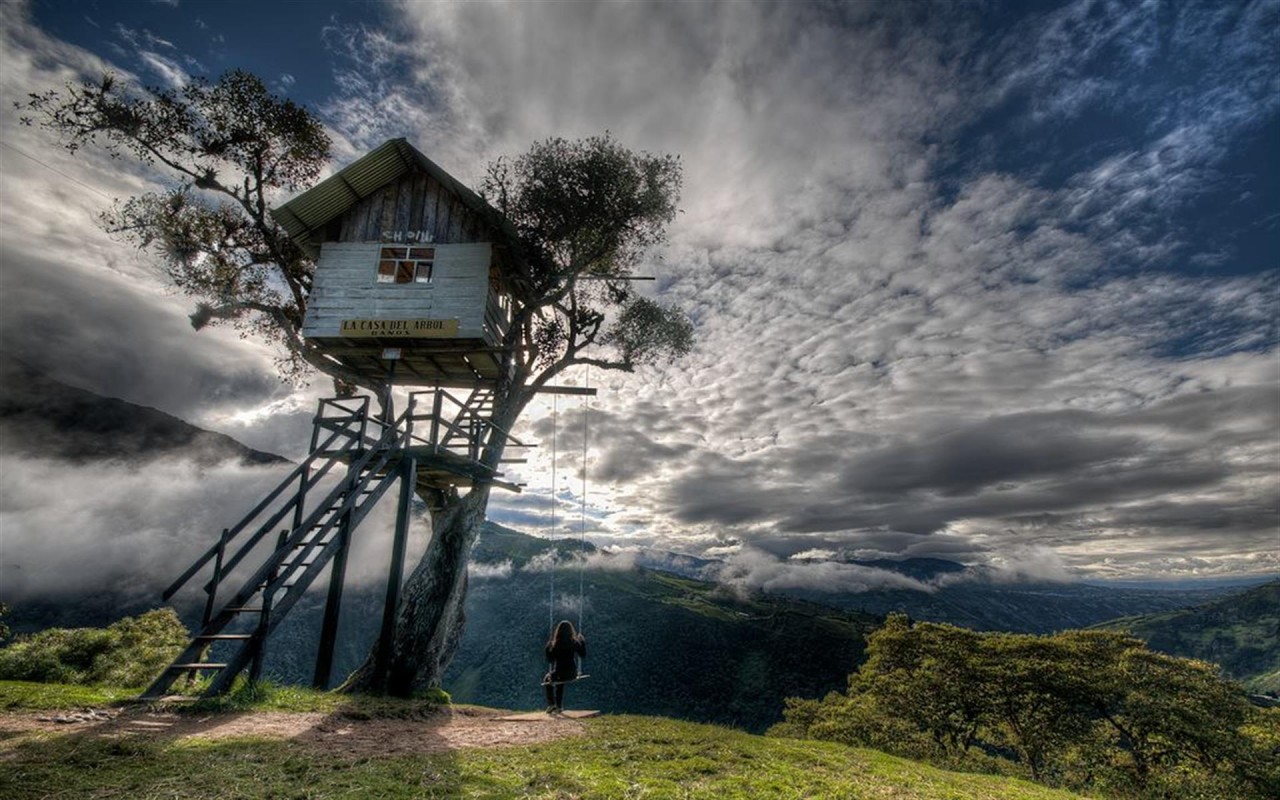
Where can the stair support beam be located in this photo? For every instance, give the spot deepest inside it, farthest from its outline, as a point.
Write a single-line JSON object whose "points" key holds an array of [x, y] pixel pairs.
{"points": [[213, 585], [395, 577], [333, 601]]}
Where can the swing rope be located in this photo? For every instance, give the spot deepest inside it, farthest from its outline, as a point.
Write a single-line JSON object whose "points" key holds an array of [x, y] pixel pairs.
{"points": [[582, 510], [551, 570], [582, 505], [582, 523]]}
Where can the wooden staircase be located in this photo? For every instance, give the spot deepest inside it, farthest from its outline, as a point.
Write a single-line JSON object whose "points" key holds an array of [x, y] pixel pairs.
{"points": [[292, 536], [238, 628]]}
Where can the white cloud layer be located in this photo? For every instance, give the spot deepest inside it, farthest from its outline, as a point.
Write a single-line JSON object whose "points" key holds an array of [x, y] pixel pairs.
{"points": [[133, 528], [918, 334]]}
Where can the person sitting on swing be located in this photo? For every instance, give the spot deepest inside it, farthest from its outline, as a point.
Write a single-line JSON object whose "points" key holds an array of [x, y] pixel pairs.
{"points": [[564, 648]]}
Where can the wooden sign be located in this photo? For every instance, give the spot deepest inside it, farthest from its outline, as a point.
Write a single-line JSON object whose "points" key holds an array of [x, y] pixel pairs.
{"points": [[402, 328], [408, 236]]}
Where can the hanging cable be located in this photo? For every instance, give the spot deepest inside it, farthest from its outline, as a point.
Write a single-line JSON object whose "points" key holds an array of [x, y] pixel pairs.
{"points": [[582, 505], [551, 567]]}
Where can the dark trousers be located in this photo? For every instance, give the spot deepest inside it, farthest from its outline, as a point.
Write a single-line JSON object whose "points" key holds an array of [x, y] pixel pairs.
{"points": [[555, 694]]}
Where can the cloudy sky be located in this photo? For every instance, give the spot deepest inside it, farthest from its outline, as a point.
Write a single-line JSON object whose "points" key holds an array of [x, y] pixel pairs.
{"points": [[992, 282]]}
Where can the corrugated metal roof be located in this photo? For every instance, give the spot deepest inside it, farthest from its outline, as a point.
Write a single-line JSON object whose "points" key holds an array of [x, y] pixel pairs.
{"points": [[332, 197]]}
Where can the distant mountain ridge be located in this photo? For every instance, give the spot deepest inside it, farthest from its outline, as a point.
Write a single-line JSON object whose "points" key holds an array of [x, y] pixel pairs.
{"points": [[1241, 633], [43, 417], [971, 597]]}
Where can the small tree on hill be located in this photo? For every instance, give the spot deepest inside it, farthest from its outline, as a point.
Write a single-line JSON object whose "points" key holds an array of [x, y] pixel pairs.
{"points": [[585, 211], [1089, 709]]}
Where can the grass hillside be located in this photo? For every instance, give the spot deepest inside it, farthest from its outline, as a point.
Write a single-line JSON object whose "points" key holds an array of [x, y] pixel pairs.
{"points": [[606, 757], [1240, 633]]}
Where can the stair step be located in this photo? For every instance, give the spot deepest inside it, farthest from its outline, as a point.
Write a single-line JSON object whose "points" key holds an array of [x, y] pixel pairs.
{"points": [[209, 636], [198, 665], [243, 609]]}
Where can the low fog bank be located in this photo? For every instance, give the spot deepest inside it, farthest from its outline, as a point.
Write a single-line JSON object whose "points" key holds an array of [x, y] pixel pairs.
{"points": [[748, 569], [129, 529]]}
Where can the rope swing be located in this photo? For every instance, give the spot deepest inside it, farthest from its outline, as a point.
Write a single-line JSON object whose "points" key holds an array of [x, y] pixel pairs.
{"points": [[551, 569], [582, 502], [582, 508]]}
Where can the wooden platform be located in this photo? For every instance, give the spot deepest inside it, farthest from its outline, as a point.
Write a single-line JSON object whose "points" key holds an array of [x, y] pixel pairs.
{"points": [[542, 716], [457, 363]]}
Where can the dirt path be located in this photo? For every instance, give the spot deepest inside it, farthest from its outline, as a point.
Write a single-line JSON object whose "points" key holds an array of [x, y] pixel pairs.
{"points": [[439, 732]]}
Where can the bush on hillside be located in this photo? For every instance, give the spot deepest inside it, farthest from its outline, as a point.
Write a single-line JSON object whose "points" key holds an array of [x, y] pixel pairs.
{"points": [[127, 653], [1090, 710]]}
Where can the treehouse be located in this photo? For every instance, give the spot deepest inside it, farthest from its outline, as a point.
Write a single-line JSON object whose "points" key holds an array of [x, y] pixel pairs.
{"points": [[413, 270]]}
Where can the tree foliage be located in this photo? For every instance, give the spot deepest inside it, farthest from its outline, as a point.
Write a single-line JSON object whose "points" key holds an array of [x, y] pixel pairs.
{"points": [[230, 147], [1091, 710], [585, 214]]}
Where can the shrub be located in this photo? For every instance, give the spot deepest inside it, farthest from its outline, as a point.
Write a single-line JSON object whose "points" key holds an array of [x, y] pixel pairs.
{"points": [[127, 653]]}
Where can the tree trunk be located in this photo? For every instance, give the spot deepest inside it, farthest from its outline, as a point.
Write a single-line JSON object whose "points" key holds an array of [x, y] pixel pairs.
{"points": [[430, 618]]}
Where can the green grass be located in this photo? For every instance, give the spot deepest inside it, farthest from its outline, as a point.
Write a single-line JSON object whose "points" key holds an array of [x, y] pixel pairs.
{"points": [[269, 697], [21, 695], [16, 695], [619, 757]]}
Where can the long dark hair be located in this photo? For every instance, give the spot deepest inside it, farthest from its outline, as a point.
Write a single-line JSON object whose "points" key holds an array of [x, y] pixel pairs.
{"points": [[563, 636]]}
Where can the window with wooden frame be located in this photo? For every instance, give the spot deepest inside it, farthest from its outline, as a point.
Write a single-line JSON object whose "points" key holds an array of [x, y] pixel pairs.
{"points": [[401, 264]]}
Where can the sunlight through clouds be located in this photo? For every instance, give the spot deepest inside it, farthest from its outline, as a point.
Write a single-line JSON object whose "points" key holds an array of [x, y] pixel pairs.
{"points": [[994, 284]]}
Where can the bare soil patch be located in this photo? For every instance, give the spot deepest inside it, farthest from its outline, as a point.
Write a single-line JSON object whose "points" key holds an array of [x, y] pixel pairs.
{"points": [[337, 733]]}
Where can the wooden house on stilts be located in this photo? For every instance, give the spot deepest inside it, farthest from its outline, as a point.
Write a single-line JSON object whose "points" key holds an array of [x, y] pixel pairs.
{"points": [[406, 257], [412, 286]]}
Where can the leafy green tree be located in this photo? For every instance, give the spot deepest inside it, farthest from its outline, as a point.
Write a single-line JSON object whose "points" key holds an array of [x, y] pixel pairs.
{"points": [[1091, 709], [585, 213], [927, 674], [231, 147], [1026, 710], [1163, 714]]}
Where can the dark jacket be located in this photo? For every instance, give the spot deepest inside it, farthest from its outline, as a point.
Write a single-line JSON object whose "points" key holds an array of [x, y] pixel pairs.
{"points": [[563, 665]]}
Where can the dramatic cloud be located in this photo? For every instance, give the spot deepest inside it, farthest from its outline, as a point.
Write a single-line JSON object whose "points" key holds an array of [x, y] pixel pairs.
{"points": [[994, 284]]}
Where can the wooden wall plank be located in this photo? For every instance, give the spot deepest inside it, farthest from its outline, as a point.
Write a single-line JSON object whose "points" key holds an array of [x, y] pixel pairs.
{"points": [[455, 220], [385, 211], [417, 201], [427, 222], [440, 228], [404, 195]]}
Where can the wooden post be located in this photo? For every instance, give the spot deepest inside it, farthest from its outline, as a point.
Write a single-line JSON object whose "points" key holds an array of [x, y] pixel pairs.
{"points": [[300, 498], [259, 643], [333, 603], [217, 576], [388, 412], [436, 410], [386, 638], [260, 635]]}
